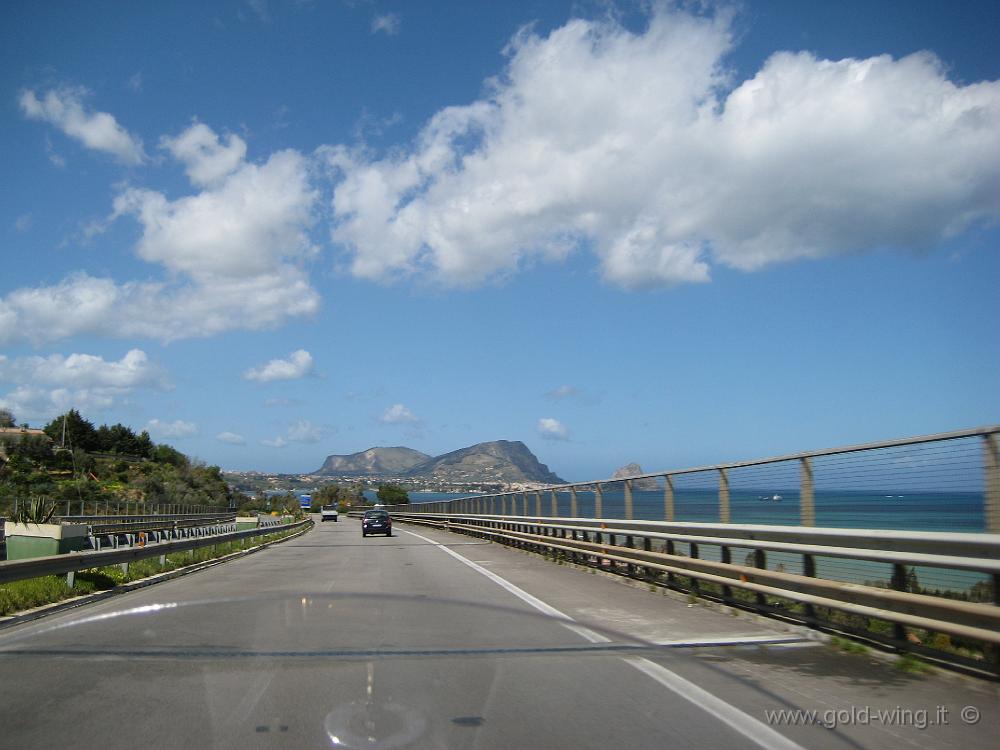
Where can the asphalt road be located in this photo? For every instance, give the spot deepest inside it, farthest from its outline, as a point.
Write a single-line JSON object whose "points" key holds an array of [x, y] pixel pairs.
{"points": [[428, 639]]}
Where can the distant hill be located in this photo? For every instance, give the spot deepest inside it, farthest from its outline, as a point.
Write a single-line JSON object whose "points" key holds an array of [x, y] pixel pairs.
{"points": [[388, 461], [499, 460]]}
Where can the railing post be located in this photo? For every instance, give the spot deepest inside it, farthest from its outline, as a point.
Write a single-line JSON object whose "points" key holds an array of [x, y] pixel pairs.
{"points": [[598, 501], [668, 498], [538, 503], [899, 583], [760, 561], [991, 466], [726, 557], [723, 496], [809, 569], [555, 504], [573, 508], [807, 504], [628, 499]]}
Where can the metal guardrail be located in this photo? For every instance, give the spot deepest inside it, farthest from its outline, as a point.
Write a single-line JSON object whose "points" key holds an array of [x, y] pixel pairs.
{"points": [[964, 461], [933, 591], [73, 562], [103, 525], [674, 555]]}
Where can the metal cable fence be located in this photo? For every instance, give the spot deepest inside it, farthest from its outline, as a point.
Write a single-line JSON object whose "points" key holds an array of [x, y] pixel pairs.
{"points": [[946, 482]]}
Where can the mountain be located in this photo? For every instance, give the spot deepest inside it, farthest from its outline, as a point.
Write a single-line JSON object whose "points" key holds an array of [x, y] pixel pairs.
{"points": [[390, 461], [500, 460], [631, 470]]}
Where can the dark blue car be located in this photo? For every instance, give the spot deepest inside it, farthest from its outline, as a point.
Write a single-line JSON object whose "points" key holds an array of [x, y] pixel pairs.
{"points": [[376, 522]]}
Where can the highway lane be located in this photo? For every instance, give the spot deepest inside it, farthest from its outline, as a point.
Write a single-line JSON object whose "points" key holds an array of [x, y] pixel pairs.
{"points": [[332, 639]]}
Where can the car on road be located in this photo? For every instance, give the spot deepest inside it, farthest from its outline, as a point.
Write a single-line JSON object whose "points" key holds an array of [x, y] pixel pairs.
{"points": [[328, 513], [376, 522]]}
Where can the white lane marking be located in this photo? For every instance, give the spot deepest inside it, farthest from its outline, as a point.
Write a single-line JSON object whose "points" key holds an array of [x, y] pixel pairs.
{"points": [[743, 723], [740, 640]]}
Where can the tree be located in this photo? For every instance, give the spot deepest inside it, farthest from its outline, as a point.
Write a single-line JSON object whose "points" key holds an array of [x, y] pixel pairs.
{"points": [[392, 494], [7, 418], [79, 432], [164, 454]]}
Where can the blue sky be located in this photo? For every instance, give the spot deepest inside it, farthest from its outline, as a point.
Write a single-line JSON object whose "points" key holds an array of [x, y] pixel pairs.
{"points": [[269, 231]]}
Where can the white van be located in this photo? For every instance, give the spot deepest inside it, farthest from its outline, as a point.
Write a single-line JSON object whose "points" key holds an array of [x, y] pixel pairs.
{"points": [[328, 513]]}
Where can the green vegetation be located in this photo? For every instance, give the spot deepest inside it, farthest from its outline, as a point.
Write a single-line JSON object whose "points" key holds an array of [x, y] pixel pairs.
{"points": [[392, 494], [341, 495], [911, 664], [848, 646], [34, 511], [76, 463], [34, 592]]}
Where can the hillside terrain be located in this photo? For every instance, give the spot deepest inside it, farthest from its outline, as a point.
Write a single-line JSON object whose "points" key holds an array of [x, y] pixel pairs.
{"points": [[495, 461], [374, 461]]}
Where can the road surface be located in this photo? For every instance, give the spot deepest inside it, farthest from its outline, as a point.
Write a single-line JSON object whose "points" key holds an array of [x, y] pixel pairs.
{"points": [[434, 640]]}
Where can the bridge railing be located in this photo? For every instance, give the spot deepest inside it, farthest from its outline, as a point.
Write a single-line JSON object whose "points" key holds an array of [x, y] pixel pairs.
{"points": [[931, 482], [781, 572], [895, 541], [73, 562]]}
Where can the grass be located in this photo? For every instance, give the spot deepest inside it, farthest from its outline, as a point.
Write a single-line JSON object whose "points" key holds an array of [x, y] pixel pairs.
{"points": [[18, 596], [848, 646], [912, 665]]}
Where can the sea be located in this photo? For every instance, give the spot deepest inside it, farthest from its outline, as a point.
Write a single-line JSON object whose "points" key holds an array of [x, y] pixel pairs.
{"points": [[909, 510]]}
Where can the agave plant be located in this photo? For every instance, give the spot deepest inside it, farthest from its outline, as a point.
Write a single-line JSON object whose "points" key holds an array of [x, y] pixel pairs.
{"points": [[35, 510]]}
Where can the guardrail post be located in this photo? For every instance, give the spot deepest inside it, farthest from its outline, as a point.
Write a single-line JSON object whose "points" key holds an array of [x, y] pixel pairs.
{"points": [[723, 496], [807, 504], [760, 561], [573, 507], [669, 549], [628, 499], [538, 503], [70, 579], [809, 569], [598, 501], [898, 582], [991, 466], [630, 569], [555, 504], [726, 557], [693, 553], [668, 498]]}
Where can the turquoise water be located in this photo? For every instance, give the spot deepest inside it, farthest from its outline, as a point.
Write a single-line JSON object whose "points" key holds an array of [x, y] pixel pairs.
{"points": [[853, 509]]}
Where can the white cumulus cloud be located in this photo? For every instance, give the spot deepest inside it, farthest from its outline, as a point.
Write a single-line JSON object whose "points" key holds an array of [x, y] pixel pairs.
{"points": [[398, 414], [304, 431], [552, 429], [640, 146], [298, 365], [177, 429], [205, 158], [387, 23], [231, 256], [231, 438], [64, 108], [47, 386]]}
